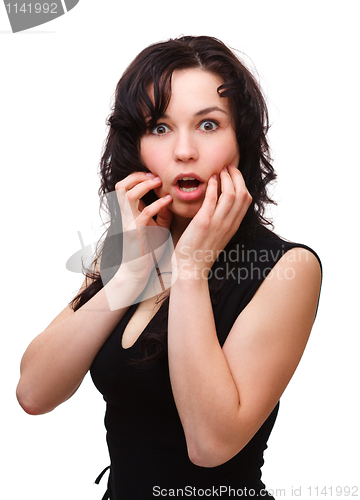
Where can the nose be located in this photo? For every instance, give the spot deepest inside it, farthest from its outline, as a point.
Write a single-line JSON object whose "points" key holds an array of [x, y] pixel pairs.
{"points": [[185, 148]]}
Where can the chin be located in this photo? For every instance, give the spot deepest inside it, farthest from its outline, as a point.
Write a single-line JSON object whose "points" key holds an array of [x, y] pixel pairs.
{"points": [[187, 212]]}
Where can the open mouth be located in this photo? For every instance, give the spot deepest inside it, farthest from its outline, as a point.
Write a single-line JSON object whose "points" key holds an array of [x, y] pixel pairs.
{"points": [[188, 184]]}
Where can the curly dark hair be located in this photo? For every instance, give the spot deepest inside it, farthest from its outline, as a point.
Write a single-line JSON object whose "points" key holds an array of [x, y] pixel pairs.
{"points": [[134, 112]]}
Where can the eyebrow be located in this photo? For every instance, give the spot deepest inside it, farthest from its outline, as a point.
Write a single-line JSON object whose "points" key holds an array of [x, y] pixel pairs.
{"points": [[204, 111], [208, 110]]}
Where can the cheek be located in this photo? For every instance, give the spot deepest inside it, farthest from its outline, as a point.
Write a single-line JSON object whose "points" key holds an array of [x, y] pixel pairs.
{"points": [[150, 157], [224, 153], [233, 149], [153, 160]]}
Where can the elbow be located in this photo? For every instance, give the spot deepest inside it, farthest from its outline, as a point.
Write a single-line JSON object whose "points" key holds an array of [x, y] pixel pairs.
{"points": [[29, 407], [200, 459], [209, 454], [29, 403]]}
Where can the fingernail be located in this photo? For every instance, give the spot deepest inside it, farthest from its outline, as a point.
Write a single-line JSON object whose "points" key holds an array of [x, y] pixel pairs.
{"points": [[156, 178], [232, 165], [150, 174], [225, 169], [214, 176], [167, 197]]}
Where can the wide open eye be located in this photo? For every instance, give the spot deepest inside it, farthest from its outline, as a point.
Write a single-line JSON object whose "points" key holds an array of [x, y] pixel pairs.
{"points": [[160, 129], [208, 125]]}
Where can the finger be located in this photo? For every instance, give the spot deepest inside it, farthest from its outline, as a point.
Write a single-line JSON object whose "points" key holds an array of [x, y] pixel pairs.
{"points": [[139, 190], [134, 194], [127, 216], [211, 197], [151, 210], [243, 197], [227, 187], [227, 196], [133, 179]]}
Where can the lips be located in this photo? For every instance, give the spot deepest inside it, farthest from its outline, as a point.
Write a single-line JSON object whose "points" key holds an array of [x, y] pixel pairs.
{"points": [[188, 186]]}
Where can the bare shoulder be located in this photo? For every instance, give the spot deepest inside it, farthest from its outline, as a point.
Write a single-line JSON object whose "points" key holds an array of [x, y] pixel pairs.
{"points": [[302, 260], [288, 297], [295, 280], [298, 266], [291, 288]]}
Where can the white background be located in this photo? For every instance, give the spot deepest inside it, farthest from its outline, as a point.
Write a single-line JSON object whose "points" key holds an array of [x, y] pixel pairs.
{"points": [[56, 87]]}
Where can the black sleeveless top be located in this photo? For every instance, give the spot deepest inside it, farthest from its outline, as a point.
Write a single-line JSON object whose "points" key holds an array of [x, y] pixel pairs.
{"points": [[145, 437]]}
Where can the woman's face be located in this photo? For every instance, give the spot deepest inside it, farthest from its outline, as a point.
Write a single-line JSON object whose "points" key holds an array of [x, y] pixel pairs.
{"points": [[192, 141]]}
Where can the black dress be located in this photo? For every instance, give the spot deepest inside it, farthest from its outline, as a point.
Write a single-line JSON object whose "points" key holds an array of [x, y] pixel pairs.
{"points": [[144, 434]]}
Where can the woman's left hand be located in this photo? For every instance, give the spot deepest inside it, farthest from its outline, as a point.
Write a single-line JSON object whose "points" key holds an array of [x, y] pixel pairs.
{"points": [[214, 225]]}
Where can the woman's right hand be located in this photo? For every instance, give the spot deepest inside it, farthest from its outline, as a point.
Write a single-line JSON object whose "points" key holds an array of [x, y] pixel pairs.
{"points": [[143, 239]]}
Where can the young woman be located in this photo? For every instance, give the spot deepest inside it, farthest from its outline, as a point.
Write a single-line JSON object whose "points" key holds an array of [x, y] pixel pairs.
{"points": [[192, 376]]}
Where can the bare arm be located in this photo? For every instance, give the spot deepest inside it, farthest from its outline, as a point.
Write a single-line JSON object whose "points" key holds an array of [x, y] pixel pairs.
{"points": [[57, 360], [224, 395]]}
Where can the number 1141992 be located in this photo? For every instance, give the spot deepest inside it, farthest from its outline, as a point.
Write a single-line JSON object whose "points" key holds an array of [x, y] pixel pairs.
{"points": [[37, 8]]}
